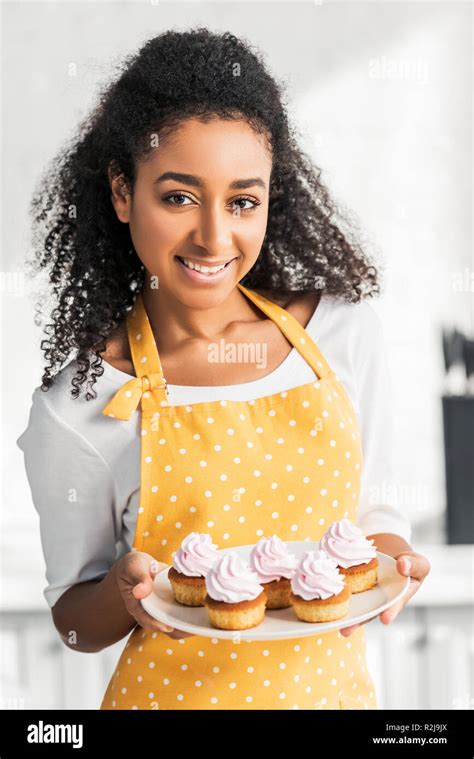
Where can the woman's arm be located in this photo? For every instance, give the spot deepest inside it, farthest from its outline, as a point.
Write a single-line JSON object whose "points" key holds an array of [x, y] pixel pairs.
{"points": [[380, 509], [378, 514], [93, 596], [73, 493], [92, 615]]}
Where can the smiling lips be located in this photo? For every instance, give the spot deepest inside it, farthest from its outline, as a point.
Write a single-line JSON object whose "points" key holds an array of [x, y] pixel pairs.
{"points": [[204, 269], [202, 274]]}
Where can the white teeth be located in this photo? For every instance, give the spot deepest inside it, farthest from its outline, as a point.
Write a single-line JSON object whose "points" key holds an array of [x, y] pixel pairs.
{"points": [[202, 269]]}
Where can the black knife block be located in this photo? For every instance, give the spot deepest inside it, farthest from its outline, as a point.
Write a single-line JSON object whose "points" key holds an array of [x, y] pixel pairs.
{"points": [[458, 425]]}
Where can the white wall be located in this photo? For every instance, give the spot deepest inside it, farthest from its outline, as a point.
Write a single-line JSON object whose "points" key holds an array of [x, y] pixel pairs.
{"points": [[391, 125]]}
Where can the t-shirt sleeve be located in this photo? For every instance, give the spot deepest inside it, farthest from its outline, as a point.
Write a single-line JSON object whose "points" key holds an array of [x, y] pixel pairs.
{"points": [[73, 493], [378, 508]]}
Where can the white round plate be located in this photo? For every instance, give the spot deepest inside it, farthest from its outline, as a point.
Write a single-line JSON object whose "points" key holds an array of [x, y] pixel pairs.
{"points": [[278, 623]]}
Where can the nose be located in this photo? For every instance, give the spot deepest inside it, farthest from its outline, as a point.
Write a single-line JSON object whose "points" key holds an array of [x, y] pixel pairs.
{"points": [[213, 230]]}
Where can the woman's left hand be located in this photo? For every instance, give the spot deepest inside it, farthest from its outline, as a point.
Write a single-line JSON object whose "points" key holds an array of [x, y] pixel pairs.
{"points": [[409, 564]]}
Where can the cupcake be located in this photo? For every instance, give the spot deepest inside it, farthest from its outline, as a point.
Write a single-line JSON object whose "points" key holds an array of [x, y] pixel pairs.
{"points": [[275, 567], [190, 565], [355, 556], [235, 599], [318, 590]]}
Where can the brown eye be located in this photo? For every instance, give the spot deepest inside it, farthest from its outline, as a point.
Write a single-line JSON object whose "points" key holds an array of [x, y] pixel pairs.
{"points": [[254, 203], [176, 195]]}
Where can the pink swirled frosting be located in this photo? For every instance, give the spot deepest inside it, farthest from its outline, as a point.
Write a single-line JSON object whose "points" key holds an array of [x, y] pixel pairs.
{"points": [[344, 542], [271, 560], [231, 580], [317, 576], [196, 555]]}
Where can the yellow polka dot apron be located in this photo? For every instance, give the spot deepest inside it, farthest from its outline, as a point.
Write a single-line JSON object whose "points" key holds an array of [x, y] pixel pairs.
{"points": [[287, 464]]}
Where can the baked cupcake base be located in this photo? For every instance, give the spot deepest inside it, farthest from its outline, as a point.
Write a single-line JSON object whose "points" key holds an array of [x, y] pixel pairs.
{"points": [[278, 593], [187, 590], [322, 609], [237, 616], [361, 577]]}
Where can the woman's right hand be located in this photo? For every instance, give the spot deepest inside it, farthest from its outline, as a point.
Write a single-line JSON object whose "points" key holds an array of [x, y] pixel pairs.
{"points": [[135, 573]]}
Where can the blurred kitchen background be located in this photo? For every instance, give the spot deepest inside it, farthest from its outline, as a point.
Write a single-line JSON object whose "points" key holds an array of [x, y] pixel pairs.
{"points": [[382, 96]]}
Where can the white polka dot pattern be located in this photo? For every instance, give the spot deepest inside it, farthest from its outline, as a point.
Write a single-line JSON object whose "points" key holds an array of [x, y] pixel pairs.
{"points": [[288, 463]]}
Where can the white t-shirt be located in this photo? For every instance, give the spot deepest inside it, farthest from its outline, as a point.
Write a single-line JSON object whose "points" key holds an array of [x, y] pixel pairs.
{"points": [[84, 471]]}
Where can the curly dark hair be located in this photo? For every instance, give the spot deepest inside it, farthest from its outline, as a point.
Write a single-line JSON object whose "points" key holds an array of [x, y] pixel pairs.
{"points": [[93, 271]]}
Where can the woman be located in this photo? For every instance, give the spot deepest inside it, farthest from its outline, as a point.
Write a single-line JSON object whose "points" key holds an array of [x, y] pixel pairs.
{"points": [[184, 217]]}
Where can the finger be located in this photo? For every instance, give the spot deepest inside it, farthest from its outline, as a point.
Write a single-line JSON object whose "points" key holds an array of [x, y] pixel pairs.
{"points": [[143, 577], [142, 588], [346, 631], [389, 615], [404, 565], [136, 610], [136, 573], [413, 565], [177, 634]]}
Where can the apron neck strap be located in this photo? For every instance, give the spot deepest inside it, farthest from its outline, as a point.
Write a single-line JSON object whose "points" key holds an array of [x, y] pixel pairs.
{"points": [[145, 355], [142, 342], [293, 331]]}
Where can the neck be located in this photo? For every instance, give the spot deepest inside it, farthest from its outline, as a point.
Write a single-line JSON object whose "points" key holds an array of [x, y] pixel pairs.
{"points": [[174, 322]]}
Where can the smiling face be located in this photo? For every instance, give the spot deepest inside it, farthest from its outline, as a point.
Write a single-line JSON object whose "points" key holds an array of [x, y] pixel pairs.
{"points": [[200, 200]]}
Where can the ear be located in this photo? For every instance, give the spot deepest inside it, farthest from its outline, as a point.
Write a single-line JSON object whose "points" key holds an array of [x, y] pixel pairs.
{"points": [[120, 195]]}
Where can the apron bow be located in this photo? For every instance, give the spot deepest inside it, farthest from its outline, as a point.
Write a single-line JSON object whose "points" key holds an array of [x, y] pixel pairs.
{"points": [[126, 399]]}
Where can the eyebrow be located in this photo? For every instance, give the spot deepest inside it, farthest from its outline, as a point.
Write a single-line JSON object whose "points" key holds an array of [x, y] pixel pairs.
{"points": [[237, 184]]}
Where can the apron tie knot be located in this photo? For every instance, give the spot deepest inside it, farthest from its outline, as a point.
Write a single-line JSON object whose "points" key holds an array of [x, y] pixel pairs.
{"points": [[125, 402]]}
